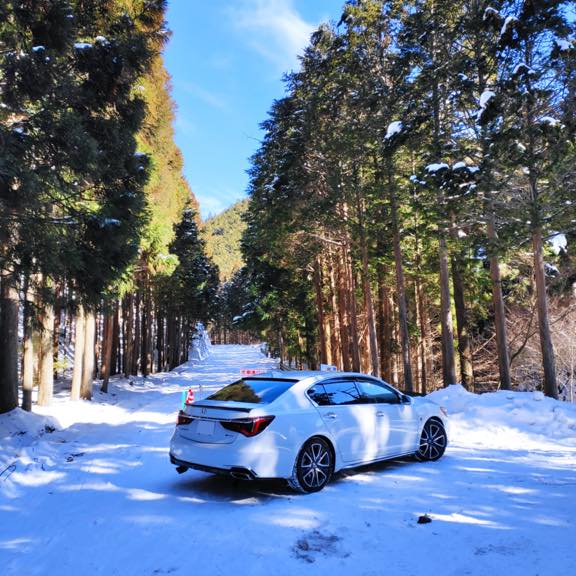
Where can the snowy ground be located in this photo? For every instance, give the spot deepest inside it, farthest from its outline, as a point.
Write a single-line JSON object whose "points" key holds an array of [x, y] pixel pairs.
{"points": [[97, 496]]}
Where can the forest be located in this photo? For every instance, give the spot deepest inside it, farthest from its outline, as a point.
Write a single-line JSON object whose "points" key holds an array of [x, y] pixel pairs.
{"points": [[412, 202], [410, 209], [103, 270]]}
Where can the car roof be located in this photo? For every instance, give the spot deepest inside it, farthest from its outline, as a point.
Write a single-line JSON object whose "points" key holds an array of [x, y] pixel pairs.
{"points": [[298, 375]]}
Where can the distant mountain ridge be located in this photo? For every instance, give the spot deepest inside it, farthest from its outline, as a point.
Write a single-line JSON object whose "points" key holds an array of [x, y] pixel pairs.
{"points": [[223, 234]]}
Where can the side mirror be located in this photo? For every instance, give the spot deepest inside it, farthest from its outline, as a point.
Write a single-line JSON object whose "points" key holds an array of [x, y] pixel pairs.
{"points": [[405, 399]]}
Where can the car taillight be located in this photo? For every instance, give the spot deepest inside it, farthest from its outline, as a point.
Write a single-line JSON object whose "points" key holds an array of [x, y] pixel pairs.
{"points": [[248, 426], [183, 419]]}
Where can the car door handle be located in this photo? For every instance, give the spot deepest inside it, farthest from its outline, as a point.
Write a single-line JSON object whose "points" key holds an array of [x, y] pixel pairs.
{"points": [[380, 414], [331, 415]]}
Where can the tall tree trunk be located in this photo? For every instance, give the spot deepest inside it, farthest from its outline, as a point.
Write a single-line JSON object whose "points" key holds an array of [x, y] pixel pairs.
{"points": [[128, 334], [79, 336], [8, 342], [343, 312], [367, 291], [28, 347], [400, 289], [159, 340], [108, 337], [532, 159], [57, 322], [170, 340], [489, 188], [137, 334], [320, 311], [395, 379], [499, 309], [427, 368], [145, 351], [352, 310], [448, 363], [546, 346], [336, 350], [427, 365], [88, 356], [447, 329], [384, 324], [463, 330], [46, 353], [368, 302], [175, 338], [115, 358]]}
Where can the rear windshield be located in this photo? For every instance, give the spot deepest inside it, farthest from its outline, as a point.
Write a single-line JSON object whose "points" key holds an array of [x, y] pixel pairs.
{"points": [[253, 391]]}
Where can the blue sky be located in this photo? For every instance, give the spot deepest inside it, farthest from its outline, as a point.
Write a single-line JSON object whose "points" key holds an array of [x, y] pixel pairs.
{"points": [[226, 58]]}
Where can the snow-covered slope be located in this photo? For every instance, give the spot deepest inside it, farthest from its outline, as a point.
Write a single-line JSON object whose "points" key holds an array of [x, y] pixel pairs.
{"points": [[88, 489]]}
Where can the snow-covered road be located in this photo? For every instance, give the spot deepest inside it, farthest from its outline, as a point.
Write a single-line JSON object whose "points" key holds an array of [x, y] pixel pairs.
{"points": [[99, 496]]}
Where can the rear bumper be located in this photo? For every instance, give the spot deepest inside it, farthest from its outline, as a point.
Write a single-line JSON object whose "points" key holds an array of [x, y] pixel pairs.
{"points": [[234, 472], [265, 456]]}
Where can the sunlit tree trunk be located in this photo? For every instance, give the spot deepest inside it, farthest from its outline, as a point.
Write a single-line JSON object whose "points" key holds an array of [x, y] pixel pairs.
{"points": [[499, 309], [79, 336], [89, 356], [46, 353], [546, 346], [28, 347]]}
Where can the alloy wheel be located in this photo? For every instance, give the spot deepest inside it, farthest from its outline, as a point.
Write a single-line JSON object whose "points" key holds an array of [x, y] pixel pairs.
{"points": [[433, 441], [315, 465]]}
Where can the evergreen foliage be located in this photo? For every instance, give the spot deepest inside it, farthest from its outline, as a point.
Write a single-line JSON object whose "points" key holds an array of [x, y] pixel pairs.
{"points": [[96, 218], [223, 234], [421, 152]]}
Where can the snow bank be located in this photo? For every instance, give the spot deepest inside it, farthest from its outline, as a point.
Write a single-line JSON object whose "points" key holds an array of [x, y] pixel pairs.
{"points": [[19, 430], [18, 422], [509, 420]]}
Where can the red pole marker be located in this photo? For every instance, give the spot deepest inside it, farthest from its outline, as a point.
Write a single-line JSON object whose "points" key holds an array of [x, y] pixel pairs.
{"points": [[189, 397]]}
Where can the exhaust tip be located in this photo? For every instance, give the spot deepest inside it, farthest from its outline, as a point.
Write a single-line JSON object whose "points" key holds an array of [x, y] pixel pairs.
{"points": [[241, 474]]}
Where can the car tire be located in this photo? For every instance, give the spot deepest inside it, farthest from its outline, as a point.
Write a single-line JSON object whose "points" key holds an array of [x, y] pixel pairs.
{"points": [[314, 466], [433, 441]]}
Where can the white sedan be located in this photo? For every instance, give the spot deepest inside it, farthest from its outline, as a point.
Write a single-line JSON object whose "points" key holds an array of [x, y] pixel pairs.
{"points": [[304, 427]]}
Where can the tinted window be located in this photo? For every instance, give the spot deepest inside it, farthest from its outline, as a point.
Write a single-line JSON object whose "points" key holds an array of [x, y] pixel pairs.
{"points": [[318, 394], [377, 392], [252, 390], [342, 392]]}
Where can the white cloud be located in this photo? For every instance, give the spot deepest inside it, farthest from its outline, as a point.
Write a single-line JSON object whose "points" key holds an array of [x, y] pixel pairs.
{"points": [[275, 29], [184, 124], [216, 200], [209, 205], [211, 98]]}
